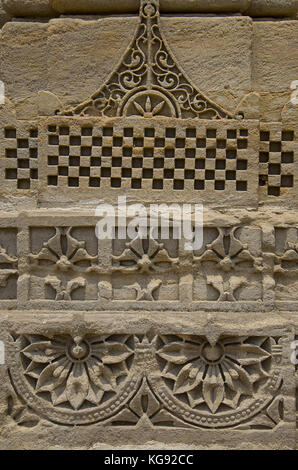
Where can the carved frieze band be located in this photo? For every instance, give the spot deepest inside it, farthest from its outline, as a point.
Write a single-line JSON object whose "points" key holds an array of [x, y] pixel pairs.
{"points": [[161, 380], [65, 266]]}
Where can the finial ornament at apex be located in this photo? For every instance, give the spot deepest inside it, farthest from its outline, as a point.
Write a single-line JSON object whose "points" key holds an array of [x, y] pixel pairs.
{"points": [[148, 81]]}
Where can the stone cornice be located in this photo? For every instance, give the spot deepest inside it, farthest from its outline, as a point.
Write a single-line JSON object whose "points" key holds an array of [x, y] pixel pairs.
{"points": [[48, 8]]}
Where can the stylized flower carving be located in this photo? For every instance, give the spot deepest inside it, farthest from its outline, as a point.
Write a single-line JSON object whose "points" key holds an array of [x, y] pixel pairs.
{"points": [[286, 263], [63, 292], [137, 257], [7, 265], [64, 251], [5, 258], [214, 373], [146, 293], [228, 252], [226, 288], [149, 110], [77, 370]]}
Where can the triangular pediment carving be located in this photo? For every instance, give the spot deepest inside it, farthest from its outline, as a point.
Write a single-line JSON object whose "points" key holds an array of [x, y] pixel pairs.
{"points": [[148, 81]]}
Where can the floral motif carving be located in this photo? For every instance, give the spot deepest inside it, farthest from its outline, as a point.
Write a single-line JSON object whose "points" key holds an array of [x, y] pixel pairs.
{"points": [[148, 71], [286, 263], [64, 252], [231, 262], [145, 408], [228, 252], [214, 373], [146, 293], [63, 292], [65, 264], [8, 265], [168, 380], [226, 288], [76, 370], [20, 413], [149, 110], [145, 259]]}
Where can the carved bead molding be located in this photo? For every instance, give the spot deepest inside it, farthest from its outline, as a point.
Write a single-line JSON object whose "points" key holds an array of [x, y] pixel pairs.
{"points": [[79, 378], [278, 8]]}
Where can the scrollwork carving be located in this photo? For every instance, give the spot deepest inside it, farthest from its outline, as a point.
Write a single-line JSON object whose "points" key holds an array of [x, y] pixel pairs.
{"points": [[148, 82]]}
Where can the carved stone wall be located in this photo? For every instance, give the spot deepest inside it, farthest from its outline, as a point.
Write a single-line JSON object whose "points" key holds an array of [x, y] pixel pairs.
{"points": [[142, 342]]}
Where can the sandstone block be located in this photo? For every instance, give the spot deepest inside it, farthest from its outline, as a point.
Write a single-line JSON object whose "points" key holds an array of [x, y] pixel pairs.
{"points": [[23, 58], [31, 8], [277, 8], [272, 40], [101, 42], [108, 6], [40, 394], [220, 56], [4, 16], [183, 334]]}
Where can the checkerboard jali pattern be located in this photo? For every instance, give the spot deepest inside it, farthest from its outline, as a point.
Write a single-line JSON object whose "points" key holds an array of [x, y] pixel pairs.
{"points": [[155, 158], [20, 160], [277, 158]]}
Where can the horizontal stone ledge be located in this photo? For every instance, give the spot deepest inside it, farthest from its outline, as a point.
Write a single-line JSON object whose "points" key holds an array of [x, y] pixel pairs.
{"points": [[49, 8], [103, 6], [29, 8], [275, 8], [4, 16]]}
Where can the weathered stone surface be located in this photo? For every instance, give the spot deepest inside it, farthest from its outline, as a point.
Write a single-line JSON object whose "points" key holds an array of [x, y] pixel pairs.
{"points": [[4, 16], [266, 419], [272, 40], [128, 342], [24, 71], [289, 112], [249, 106], [104, 6], [48, 103], [59, 40], [272, 104], [29, 8], [212, 63], [273, 8], [76, 38], [251, 7], [257, 8]]}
